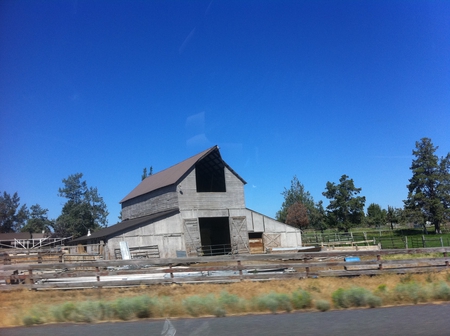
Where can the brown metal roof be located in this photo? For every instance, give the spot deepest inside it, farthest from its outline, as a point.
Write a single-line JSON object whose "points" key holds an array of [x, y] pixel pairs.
{"points": [[171, 175], [126, 225]]}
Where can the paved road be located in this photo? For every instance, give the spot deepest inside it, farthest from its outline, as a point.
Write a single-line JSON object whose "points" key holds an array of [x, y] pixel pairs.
{"points": [[407, 320]]}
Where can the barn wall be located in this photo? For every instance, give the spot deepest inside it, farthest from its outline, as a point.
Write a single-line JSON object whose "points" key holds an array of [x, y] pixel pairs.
{"points": [[275, 232], [167, 233], [153, 202], [190, 199]]}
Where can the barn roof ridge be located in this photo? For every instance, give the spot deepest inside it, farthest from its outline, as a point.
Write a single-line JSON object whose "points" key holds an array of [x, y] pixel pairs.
{"points": [[172, 175]]}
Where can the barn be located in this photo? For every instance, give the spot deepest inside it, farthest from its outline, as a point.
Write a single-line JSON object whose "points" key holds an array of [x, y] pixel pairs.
{"points": [[196, 207]]}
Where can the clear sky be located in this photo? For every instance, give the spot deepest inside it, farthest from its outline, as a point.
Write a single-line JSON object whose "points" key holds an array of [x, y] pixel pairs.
{"points": [[315, 89]]}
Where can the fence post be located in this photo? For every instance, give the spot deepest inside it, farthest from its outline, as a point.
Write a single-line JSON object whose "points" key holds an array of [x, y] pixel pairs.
{"points": [[98, 275], [380, 265], [239, 267], [442, 242], [406, 242], [171, 274], [423, 241]]}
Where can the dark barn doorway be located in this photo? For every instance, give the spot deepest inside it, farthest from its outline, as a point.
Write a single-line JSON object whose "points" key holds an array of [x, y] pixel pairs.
{"points": [[215, 235]]}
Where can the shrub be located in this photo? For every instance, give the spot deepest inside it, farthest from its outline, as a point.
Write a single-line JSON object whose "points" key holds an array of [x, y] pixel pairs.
{"points": [[355, 297], [274, 302], [410, 292], [200, 305], [34, 317], [123, 309], [441, 291], [339, 299], [323, 305], [142, 306], [374, 301], [301, 299], [231, 302], [67, 310]]}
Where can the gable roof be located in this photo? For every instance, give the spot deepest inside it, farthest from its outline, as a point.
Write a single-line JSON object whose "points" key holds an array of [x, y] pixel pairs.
{"points": [[126, 225], [173, 175]]}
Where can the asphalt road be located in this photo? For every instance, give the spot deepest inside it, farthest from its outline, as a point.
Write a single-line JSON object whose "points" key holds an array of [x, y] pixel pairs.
{"points": [[406, 320]]}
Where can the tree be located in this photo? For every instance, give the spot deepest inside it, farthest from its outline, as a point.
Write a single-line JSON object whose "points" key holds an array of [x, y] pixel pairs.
{"points": [[392, 216], [84, 210], [295, 194], [38, 220], [317, 218], [12, 215], [144, 173], [345, 210], [429, 187], [376, 216], [297, 215]]}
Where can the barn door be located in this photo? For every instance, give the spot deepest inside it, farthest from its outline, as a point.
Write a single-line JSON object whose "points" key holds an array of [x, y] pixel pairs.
{"points": [[272, 240], [191, 236], [239, 234]]}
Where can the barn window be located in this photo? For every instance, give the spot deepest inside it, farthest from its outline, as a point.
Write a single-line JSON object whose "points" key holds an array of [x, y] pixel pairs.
{"points": [[210, 174]]}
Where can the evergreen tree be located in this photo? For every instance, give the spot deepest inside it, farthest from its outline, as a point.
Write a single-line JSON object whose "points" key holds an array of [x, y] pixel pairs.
{"points": [[295, 194], [84, 210], [12, 215], [376, 216], [429, 187], [346, 210], [38, 220]]}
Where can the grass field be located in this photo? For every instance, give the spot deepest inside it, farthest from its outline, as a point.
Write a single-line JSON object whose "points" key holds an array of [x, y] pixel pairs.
{"points": [[25, 307]]}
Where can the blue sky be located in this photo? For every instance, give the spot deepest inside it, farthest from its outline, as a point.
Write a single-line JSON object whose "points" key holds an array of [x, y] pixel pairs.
{"points": [[315, 89]]}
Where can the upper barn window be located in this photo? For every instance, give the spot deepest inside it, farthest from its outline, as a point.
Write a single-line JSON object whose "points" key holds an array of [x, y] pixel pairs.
{"points": [[210, 174]]}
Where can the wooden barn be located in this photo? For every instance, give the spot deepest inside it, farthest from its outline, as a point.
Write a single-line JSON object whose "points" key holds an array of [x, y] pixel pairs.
{"points": [[196, 207]]}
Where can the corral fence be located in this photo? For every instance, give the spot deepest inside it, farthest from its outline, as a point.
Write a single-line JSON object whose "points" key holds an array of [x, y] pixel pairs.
{"points": [[217, 269], [364, 238]]}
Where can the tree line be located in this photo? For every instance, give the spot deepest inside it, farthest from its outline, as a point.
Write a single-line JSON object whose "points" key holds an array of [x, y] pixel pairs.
{"points": [[427, 201], [83, 211]]}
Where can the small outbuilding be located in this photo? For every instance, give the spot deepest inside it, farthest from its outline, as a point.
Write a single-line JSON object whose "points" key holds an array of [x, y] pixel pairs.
{"points": [[196, 207]]}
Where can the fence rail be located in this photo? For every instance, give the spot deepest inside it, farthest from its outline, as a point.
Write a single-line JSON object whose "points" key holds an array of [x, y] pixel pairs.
{"points": [[228, 268]]}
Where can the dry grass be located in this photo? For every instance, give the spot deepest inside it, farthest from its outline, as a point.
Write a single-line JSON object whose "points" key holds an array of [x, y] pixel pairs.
{"points": [[16, 304]]}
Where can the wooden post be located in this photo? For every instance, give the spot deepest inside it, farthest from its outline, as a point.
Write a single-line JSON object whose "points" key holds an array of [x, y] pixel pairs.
{"points": [[98, 271], [442, 242], [29, 279], [171, 274], [423, 241], [239, 267], [39, 258], [380, 265], [406, 242]]}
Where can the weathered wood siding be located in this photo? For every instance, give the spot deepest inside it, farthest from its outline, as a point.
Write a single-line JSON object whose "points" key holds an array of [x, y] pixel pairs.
{"points": [[153, 202], [276, 234], [167, 233], [190, 199]]}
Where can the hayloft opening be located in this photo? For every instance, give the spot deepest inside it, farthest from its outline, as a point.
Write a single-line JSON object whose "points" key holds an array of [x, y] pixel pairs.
{"points": [[210, 174], [215, 235]]}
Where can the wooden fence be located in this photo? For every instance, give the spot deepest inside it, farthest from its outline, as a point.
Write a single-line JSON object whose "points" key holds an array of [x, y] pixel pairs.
{"points": [[231, 268]]}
